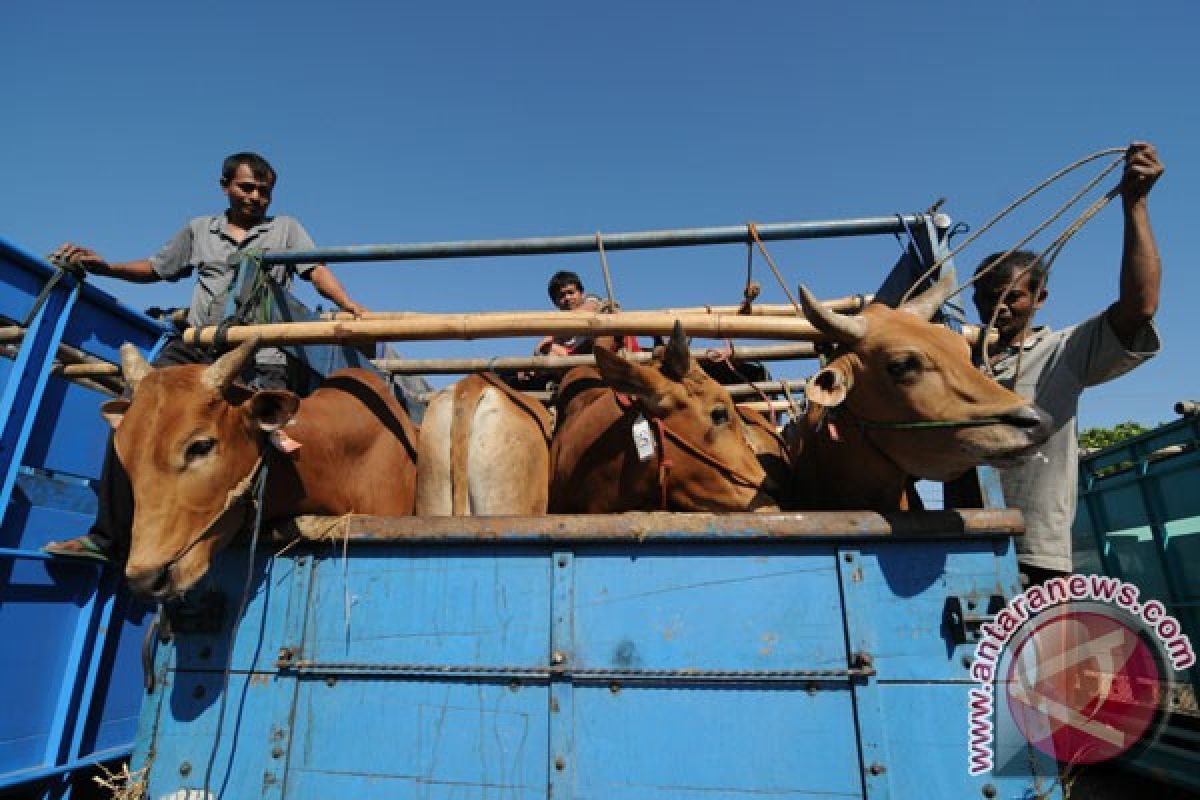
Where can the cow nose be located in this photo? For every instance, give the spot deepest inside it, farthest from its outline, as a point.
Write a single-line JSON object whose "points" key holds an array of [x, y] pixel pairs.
{"points": [[1029, 417], [148, 581]]}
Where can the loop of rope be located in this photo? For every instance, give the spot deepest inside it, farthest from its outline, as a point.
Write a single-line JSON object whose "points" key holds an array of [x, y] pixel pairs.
{"points": [[1047, 223], [752, 229], [1046, 258], [1013, 206]]}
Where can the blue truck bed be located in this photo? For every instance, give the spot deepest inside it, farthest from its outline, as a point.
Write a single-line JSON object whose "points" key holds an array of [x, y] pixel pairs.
{"points": [[647, 656]]}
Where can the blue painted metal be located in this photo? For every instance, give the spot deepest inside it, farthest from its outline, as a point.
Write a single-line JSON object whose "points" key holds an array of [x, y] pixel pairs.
{"points": [[73, 641], [1139, 519], [664, 668], [587, 243]]}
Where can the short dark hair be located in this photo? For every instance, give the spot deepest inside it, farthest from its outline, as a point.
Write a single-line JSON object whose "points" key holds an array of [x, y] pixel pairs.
{"points": [[1000, 269], [561, 279], [259, 167]]}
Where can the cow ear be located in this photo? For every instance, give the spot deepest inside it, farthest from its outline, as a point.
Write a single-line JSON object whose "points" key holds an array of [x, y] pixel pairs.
{"points": [[625, 376], [271, 409], [829, 386], [113, 411]]}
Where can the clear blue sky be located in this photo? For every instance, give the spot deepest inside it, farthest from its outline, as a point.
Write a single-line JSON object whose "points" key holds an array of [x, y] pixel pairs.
{"points": [[393, 122]]}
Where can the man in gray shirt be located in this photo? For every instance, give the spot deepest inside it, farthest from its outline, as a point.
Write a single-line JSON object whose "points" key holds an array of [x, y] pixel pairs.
{"points": [[211, 247], [1052, 368]]}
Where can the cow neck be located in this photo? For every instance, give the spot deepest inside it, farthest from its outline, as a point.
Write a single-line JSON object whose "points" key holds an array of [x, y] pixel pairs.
{"points": [[249, 493], [627, 402], [892, 477]]}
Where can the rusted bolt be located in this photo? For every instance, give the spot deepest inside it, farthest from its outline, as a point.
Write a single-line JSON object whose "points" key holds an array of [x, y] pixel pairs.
{"points": [[864, 659], [553, 705], [286, 654], [966, 662], [198, 692], [562, 561], [560, 763], [205, 651], [301, 561], [330, 680], [989, 790], [615, 687], [276, 752], [185, 768], [877, 769], [557, 657], [848, 556]]}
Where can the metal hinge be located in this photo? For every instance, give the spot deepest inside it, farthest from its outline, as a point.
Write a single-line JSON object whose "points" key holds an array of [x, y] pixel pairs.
{"points": [[964, 616]]}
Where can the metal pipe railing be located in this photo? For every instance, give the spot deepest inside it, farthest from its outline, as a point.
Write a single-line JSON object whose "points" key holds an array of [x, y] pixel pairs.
{"points": [[590, 242]]}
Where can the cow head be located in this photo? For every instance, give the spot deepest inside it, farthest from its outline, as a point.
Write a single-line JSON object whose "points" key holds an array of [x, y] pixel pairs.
{"points": [[190, 440], [713, 465], [893, 366]]}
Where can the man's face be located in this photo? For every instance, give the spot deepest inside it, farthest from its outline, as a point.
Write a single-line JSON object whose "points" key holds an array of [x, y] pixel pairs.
{"points": [[1013, 309], [249, 197], [568, 297]]}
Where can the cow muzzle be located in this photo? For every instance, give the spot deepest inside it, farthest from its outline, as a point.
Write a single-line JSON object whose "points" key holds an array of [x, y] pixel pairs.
{"points": [[151, 583]]}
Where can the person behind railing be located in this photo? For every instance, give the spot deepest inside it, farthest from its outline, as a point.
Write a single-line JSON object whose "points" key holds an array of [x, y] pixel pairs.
{"points": [[1052, 368], [212, 247]]}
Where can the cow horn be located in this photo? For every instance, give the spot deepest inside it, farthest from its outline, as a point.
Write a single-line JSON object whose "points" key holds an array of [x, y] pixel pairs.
{"points": [[841, 328], [133, 366], [222, 372], [927, 303], [677, 358]]}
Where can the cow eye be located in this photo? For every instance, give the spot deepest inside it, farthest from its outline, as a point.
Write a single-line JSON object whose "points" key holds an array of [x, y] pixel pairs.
{"points": [[904, 368], [199, 448], [720, 415]]}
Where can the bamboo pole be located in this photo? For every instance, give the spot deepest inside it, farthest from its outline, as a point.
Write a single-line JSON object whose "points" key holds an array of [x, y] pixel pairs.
{"points": [[476, 326], [735, 390], [845, 305], [766, 406], [72, 363]]}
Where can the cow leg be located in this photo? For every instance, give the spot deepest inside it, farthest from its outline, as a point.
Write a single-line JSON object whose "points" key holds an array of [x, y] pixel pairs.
{"points": [[434, 485]]}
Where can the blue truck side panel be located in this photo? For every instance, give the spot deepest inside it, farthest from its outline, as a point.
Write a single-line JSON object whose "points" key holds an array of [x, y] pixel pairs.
{"points": [[69, 680], [635, 670]]}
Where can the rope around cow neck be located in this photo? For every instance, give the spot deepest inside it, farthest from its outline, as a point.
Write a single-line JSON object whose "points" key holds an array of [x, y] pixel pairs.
{"points": [[260, 496]]}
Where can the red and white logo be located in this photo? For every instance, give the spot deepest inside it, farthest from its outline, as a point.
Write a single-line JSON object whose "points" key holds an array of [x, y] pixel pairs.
{"points": [[1083, 686]]}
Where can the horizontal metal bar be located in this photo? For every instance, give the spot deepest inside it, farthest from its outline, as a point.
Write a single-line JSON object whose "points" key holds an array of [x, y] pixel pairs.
{"points": [[587, 243], [27, 776], [566, 672], [643, 527], [31, 555]]}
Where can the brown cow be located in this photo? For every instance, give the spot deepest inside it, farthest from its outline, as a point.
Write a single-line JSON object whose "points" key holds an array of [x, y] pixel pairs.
{"points": [[191, 440], [699, 458], [484, 451], [901, 399]]}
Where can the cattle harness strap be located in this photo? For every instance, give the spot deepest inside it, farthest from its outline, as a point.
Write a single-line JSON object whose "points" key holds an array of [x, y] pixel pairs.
{"points": [[626, 402]]}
